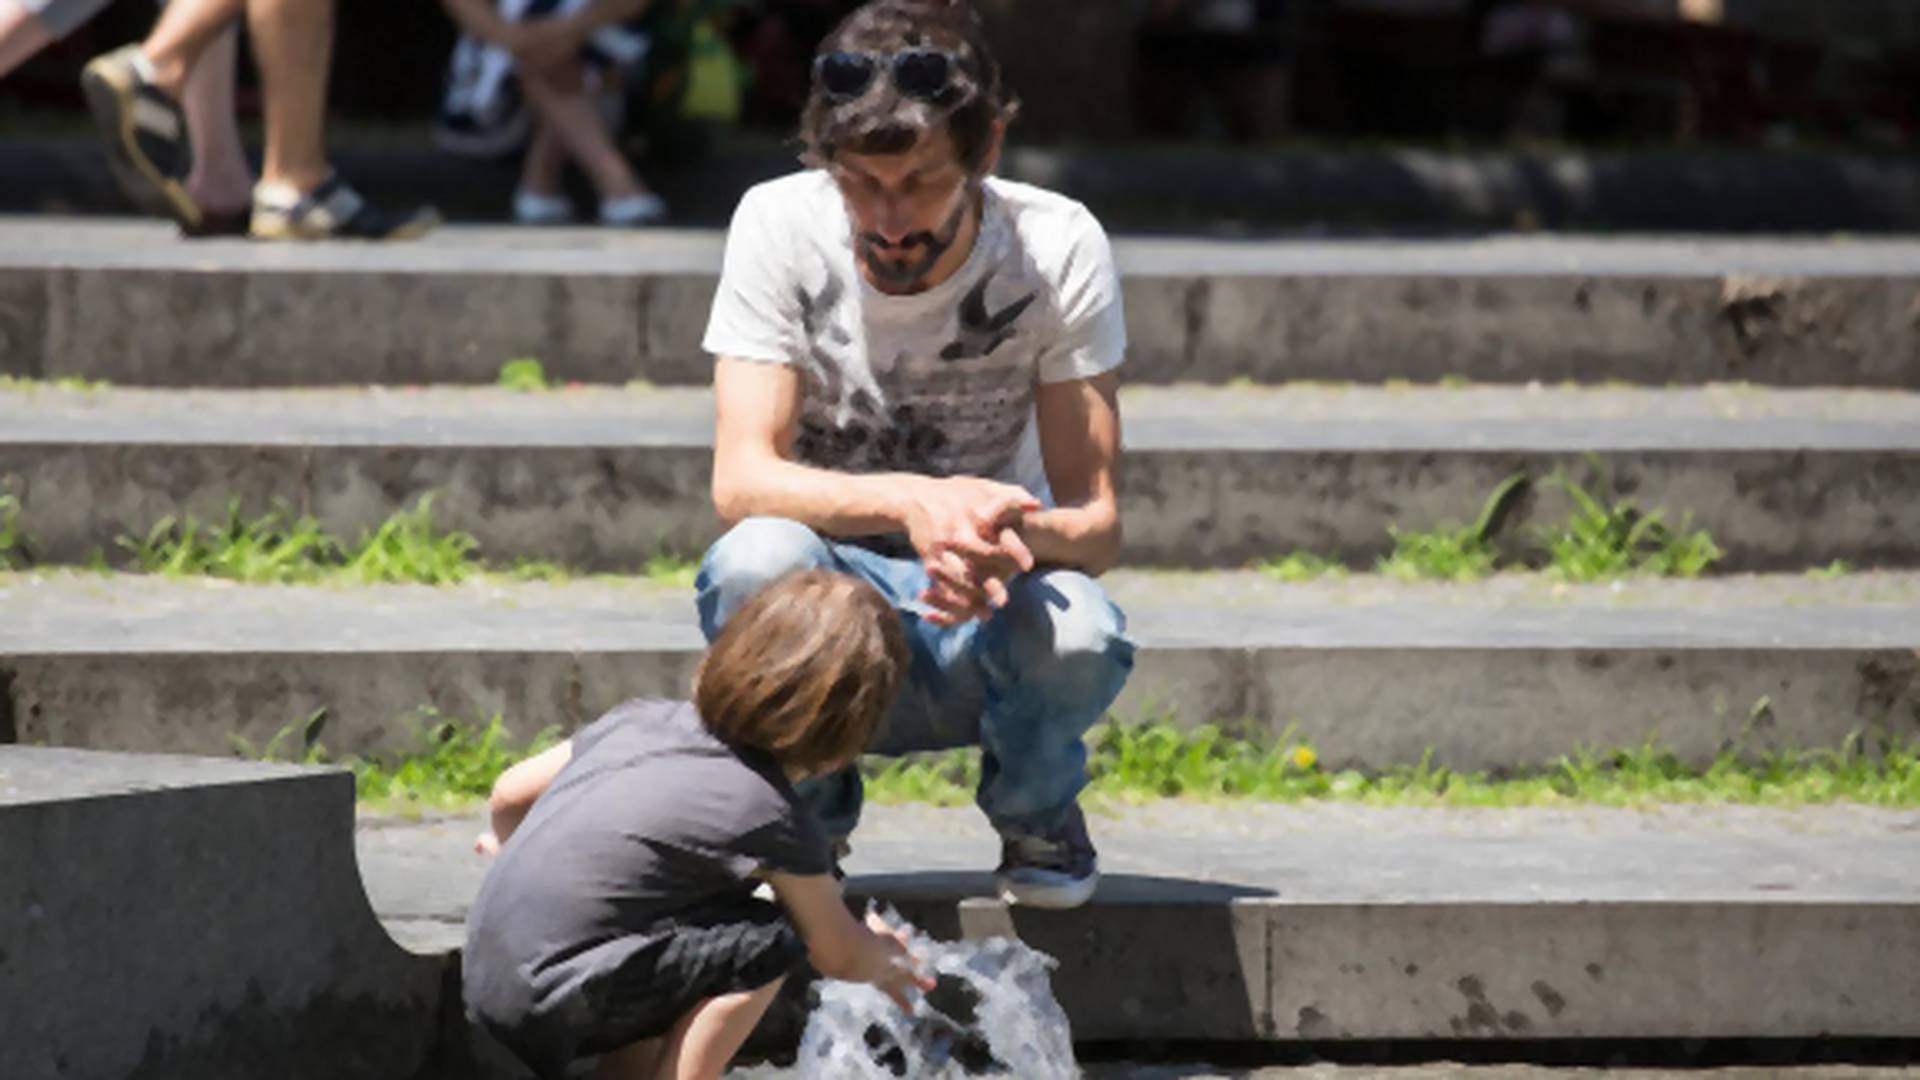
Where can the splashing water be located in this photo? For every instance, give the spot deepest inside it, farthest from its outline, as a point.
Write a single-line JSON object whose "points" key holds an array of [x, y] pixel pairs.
{"points": [[1016, 1027]]}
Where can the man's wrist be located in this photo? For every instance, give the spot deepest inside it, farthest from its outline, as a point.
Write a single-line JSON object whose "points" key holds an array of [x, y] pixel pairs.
{"points": [[891, 497]]}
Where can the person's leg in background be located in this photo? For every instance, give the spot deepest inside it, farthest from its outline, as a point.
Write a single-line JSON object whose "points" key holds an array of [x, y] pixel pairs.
{"points": [[135, 93], [298, 196], [25, 29], [540, 200], [562, 97], [221, 181]]}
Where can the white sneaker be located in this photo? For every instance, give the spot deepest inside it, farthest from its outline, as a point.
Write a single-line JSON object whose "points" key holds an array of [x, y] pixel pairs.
{"points": [[533, 208], [629, 211]]}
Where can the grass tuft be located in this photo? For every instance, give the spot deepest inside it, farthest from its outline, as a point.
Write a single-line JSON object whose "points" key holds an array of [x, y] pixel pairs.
{"points": [[1605, 540], [274, 548], [12, 542], [524, 374], [70, 383], [1302, 566], [1454, 552], [449, 765], [1151, 761], [407, 549]]}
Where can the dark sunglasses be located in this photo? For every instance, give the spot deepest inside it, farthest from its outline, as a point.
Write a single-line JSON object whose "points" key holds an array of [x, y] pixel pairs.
{"points": [[924, 74]]}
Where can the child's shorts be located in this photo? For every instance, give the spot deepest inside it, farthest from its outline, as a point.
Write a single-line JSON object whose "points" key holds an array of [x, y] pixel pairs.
{"points": [[741, 946]]}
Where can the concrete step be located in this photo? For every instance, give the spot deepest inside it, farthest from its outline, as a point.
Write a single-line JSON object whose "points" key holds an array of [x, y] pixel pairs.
{"points": [[1167, 187], [605, 478], [132, 304], [171, 917], [1331, 924], [1511, 673]]}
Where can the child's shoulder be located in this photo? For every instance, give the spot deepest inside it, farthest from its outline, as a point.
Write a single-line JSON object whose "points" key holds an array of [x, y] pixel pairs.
{"points": [[640, 721]]}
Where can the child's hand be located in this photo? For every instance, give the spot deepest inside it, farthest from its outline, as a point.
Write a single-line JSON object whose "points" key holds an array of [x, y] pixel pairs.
{"points": [[900, 973], [486, 844]]}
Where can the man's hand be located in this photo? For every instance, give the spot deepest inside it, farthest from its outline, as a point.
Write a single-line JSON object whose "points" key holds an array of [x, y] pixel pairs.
{"points": [[966, 531]]}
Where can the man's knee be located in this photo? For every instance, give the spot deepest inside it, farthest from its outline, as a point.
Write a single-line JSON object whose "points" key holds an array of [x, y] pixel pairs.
{"points": [[752, 555], [1061, 629]]}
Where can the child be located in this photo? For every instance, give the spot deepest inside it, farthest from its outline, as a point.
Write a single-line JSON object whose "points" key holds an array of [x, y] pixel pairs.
{"points": [[619, 919]]}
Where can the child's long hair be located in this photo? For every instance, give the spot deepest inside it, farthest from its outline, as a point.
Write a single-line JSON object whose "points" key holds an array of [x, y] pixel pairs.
{"points": [[805, 670]]}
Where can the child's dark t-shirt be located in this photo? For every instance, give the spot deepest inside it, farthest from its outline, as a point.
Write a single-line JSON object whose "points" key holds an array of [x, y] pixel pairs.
{"points": [[652, 819]]}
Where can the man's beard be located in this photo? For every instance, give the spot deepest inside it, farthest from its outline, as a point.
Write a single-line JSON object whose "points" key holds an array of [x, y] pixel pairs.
{"points": [[896, 268]]}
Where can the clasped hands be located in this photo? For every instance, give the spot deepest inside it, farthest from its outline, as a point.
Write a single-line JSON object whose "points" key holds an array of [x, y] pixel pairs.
{"points": [[968, 533]]}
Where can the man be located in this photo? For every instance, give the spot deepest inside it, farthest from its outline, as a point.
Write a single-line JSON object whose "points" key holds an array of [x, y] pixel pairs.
{"points": [[135, 91], [915, 384]]}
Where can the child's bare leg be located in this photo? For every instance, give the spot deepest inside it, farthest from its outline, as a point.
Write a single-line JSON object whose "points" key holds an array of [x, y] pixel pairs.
{"points": [[705, 1040], [638, 1061]]}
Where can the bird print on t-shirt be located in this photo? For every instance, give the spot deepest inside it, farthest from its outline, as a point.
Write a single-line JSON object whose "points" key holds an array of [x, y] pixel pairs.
{"points": [[873, 414], [982, 331], [846, 426]]}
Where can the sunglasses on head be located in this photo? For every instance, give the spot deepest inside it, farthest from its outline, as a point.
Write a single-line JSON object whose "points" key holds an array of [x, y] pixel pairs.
{"points": [[924, 74]]}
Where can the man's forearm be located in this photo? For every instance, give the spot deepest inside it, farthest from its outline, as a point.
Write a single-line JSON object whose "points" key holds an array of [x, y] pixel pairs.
{"points": [[1085, 538], [833, 503]]}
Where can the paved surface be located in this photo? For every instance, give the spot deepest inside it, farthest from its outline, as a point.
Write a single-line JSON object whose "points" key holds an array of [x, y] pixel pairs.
{"points": [[1653, 311], [605, 479], [1511, 673], [422, 873], [1296, 418], [1262, 923], [94, 242], [74, 612]]}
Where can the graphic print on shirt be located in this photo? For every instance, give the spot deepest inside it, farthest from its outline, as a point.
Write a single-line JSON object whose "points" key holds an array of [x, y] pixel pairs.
{"points": [[949, 397], [849, 427], [981, 331]]}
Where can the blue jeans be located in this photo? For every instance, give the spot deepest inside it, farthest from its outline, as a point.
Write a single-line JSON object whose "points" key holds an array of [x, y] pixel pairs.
{"points": [[1023, 685]]}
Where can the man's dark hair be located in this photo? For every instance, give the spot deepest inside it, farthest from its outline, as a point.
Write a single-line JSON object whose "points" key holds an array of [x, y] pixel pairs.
{"points": [[885, 121]]}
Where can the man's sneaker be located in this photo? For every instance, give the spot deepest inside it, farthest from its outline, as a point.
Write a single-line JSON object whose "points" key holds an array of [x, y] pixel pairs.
{"points": [[145, 133], [1056, 870], [332, 211]]}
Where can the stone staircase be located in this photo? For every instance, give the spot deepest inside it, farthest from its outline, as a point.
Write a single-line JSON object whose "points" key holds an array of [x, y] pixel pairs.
{"points": [[1301, 396]]}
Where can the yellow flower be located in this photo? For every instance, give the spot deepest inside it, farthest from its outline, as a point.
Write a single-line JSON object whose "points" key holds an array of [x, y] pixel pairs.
{"points": [[1304, 757]]}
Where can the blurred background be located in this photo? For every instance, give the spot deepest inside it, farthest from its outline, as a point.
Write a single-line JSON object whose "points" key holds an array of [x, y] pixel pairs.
{"points": [[1217, 115]]}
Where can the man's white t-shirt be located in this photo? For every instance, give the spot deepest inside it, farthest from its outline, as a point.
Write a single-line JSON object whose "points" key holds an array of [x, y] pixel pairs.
{"points": [[939, 383]]}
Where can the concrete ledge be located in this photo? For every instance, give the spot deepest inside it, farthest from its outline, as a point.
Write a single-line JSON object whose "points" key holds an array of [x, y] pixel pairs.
{"points": [[132, 305], [605, 479], [152, 666], [1324, 924], [170, 917]]}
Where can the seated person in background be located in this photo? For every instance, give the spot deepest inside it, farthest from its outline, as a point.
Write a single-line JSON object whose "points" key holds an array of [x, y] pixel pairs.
{"points": [[619, 920], [560, 51]]}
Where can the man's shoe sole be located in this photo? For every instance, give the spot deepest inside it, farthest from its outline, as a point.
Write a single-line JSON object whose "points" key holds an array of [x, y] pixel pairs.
{"points": [[110, 99], [1062, 897]]}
